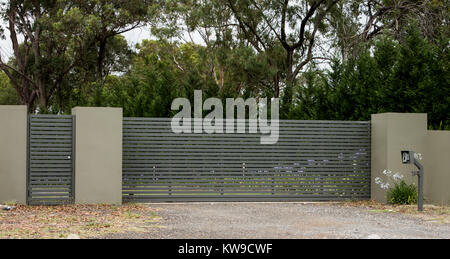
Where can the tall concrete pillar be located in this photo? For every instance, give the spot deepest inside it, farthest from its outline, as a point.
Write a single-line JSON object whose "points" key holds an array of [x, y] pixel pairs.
{"points": [[392, 133], [13, 153], [98, 155]]}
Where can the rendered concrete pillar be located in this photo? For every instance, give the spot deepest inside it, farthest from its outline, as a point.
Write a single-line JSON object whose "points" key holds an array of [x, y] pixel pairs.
{"points": [[13, 153], [392, 133], [437, 167], [98, 155]]}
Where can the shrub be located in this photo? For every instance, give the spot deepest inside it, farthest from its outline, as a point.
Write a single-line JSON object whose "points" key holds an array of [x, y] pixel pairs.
{"points": [[402, 193]]}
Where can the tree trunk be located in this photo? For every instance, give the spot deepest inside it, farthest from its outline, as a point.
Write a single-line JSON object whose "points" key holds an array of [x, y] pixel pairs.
{"points": [[101, 59], [30, 106], [222, 78], [288, 91], [290, 64], [42, 95], [276, 82]]}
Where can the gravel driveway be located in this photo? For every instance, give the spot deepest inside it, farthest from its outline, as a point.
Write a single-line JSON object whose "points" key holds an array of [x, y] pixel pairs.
{"points": [[283, 220]]}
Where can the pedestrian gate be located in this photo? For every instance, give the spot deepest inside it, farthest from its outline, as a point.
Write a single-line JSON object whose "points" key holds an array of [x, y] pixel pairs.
{"points": [[313, 160], [50, 159]]}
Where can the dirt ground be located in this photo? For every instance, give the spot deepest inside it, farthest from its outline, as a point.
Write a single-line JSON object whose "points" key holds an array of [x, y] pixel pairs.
{"points": [[83, 221], [227, 221]]}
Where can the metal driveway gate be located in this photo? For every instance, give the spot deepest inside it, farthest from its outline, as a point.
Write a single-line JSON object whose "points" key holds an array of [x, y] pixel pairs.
{"points": [[313, 160], [50, 159]]}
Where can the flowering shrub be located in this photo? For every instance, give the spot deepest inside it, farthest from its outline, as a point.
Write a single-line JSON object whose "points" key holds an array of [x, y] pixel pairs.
{"points": [[401, 192]]}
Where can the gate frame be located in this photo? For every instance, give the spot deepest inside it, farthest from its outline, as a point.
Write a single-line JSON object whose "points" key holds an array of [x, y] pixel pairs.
{"points": [[251, 197], [28, 187], [72, 188]]}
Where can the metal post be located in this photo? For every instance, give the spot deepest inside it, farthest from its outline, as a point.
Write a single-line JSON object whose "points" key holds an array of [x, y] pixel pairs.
{"points": [[72, 187], [420, 183], [420, 202], [28, 189], [408, 158]]}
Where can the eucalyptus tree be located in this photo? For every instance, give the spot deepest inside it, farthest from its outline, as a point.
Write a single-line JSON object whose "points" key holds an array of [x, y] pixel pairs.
{"points": [[198, 22], [284, 33], [42, 36], [103, 21], [57, 41], [293, 30], [356, 23]]}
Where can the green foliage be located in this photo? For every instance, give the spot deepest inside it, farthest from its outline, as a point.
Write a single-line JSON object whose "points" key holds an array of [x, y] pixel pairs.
{"points": [[75, 55], [67, 48], [312, 99], [8, 95], [159, 73], [388, 76], [402, 193]]}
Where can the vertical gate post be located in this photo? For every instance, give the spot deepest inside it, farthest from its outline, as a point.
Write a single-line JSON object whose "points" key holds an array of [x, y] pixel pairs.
{"points": [[13, 153], [98, 155]]}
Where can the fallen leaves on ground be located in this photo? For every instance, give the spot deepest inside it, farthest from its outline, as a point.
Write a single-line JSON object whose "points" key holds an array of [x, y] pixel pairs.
{"points": [[430, 213], [86, 221]]}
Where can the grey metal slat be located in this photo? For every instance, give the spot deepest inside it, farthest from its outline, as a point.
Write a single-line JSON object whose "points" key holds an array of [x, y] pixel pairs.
{"points": [[50, 137], [228, 184], [50, 165], [170, 182], [168, 120], [221, 156], [273, 192], [295, 145], [241, 197]]}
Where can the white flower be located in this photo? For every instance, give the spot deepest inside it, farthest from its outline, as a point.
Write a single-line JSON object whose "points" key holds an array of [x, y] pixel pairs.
{"points": [[385, 186], [378, 181], [397, 176], [418, 156], [387, 172]]}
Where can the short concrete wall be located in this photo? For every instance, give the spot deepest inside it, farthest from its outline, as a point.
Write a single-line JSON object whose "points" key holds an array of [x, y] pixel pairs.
{"points": [[98, 155], [437, 167], [13, 153], [394, 132]]}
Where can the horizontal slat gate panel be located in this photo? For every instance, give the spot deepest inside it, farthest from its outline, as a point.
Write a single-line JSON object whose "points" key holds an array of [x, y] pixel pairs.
{"points": [[50, 177], [313, 160]]}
